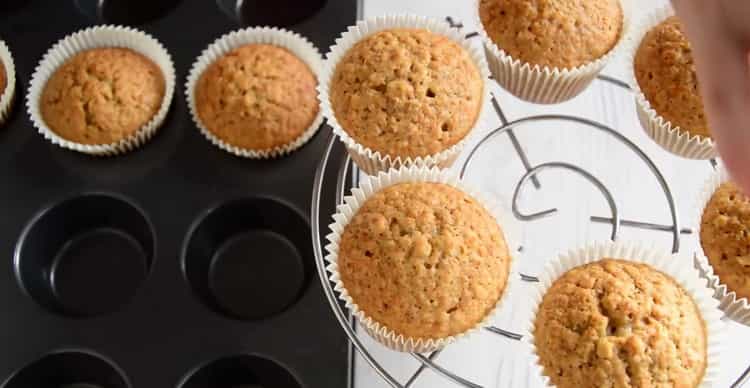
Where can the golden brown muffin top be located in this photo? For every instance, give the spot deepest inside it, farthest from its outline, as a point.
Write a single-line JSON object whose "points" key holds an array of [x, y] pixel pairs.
{"points": [[665, 72], [554, 33], [725, 237], [615, 323], [407, 92], [257, 97], [102, 96], [424, 259]]}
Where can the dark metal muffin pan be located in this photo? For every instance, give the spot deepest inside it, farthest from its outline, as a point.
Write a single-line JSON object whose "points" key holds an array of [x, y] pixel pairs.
{"points": [[178, 264]]}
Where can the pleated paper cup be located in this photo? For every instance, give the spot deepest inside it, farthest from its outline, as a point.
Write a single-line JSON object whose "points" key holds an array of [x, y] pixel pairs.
{"points": [[675, 267], [8, 95], [543, 84], [368, 160], [92, 38], [346, 211], [295, 43], [733, 306], [671, 138]]}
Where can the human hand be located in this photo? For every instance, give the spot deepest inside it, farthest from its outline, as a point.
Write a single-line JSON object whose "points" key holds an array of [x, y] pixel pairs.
{"points": [[719, 33]]}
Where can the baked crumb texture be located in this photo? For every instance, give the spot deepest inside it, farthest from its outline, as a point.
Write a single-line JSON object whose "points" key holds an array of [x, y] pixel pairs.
{"points": [[424, 259], [101, 96], [615, 323], [665, 72], [257, 97], [554, 33], [725, 237], [407, 93]]}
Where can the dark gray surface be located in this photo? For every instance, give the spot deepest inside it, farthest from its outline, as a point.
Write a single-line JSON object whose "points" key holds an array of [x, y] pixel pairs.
{"points": [[165, 331]]}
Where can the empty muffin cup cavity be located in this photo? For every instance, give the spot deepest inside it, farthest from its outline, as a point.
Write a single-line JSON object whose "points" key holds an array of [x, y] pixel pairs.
{"points": [[85, 256], [248, 259], [126, 12], [69, 369], [265, 13], [242, 371]]}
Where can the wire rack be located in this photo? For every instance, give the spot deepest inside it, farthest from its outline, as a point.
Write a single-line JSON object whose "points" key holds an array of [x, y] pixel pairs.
{"points": [[343, 172]]}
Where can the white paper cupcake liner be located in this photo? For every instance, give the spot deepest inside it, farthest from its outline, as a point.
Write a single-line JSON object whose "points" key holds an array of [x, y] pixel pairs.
{"points": [[295, 43], [346, 211], [671, 138], [371, 161], [544, 84], [8, 95], [669, 264], [734, 307], [101, 37]]}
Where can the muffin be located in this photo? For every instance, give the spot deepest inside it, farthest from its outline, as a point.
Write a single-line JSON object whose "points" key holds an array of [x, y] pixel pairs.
{"points": [[407, 93], [619, 323], [665, 72], [725, 237], [257, 97], [102, 96], [403, 90], [561, 34], [7, 81], [418, 260], [549, 51], [667, 94]]}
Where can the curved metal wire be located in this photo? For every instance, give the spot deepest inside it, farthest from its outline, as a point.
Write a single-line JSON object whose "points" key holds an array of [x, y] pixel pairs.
{"points": [[571, 167], [517, 124]]}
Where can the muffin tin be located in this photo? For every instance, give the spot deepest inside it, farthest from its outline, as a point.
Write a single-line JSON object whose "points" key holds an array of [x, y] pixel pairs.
{"points": [[178, 264]]}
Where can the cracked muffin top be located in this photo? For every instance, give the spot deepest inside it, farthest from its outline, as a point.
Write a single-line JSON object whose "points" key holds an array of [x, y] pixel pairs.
{"points": [[554, 33], [615, 323], [407, 92], [102, 96], [257, 97], [424, 259], [665, 71], [725, 237]]}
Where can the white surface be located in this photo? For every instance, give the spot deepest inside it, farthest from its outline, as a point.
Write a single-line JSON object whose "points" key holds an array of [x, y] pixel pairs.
{"points": [[493, 361]]}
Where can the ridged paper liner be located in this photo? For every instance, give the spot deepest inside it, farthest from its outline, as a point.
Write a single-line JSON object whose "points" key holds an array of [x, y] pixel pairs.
{"points": [[101, 37], [371, 185], [669, 264], [371, 161], [544, 84], [295, 43], [734, 307], [671, 138], [8, 95]]}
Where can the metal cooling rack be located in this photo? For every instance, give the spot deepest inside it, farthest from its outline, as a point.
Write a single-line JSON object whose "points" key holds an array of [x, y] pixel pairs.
{"points": [[326, 174]]}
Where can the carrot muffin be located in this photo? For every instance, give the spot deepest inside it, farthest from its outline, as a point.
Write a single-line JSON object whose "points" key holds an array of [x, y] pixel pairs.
{"points": [[101, 96], [407, 93], [665, 72], [257, 97], [615, 323], [425, 260], [725, 237], [553, 33]]}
